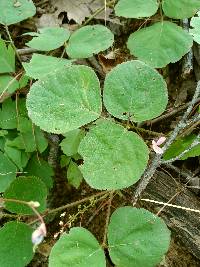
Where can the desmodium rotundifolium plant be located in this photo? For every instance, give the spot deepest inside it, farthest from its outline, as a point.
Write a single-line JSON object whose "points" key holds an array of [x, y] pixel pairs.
{"points": [[64, 100]]}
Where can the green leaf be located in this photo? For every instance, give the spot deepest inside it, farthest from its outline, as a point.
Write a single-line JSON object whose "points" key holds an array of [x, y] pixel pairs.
{"points": [[7, 172], [136, 9], [113, 157], [19, 157], [40, 168], [141, 240], [13, 11], [78, 248], [41, 65], [74, 175], [16, 248], [89, 40], [48, 38], [26, 189], [70, 143], [8, 84], [7, 59], [195, 32], [65, 100], [180, 9], [181, 145], [169, 43], [135, 91]]}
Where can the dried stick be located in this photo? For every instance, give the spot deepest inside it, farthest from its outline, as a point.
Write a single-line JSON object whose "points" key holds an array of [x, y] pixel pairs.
{"points": [[157, 159]]}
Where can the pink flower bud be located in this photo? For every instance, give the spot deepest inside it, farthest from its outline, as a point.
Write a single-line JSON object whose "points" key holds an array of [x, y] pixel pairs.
{"points": [[39, 234], [156, 144]]}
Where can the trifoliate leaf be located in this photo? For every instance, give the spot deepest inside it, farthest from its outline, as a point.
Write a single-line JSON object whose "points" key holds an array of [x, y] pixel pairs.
{"points": [[77, 248], [74, 175], [48, 38], [180, 9], [13, 11], [136, 237], [26, 189], [135, 91], [162, 43], [195, 32], [7, 172], [65, 100], [70, 143], [7, 58], [89, 40], [41, 65], [16, 248], [136, 9], [40, 168], [113, 157]]}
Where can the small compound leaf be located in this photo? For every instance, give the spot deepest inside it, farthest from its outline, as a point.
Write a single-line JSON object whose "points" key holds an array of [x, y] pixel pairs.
{"points": [[40, 168], [180, 9], [89, 40], [48, 38], [41, 65], [162, 43], [16, 248], [13, 11], [195, 32], [7, 58], [7, 172], [113, 157], [141, 241], [136, 9], [74, 175], [65, 100], [135, 91], [70, 143], [78, 248], [26, 189], [180, 145]]}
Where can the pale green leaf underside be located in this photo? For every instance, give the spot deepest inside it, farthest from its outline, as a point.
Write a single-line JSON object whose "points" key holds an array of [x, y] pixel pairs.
{"points": [[135, 91], [137, 237], [78, 248], [195, 32], [65, 100], [7, 58], [89, 40], [48, 38], [113, 157], [7, 172], [12, 11], [15, 244], [41, 65], [162, 43], [180, 9], [26, 189], [136, 8]]}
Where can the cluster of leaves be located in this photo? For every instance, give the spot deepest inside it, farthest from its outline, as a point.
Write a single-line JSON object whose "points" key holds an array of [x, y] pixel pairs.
{"points": [[64, 99]]}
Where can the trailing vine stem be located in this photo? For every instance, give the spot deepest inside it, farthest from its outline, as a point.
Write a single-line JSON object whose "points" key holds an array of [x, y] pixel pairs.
{"points": [[157, 160]]}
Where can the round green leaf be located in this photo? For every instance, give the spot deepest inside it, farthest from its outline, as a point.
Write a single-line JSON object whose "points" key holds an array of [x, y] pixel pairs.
{"points": [[141, 241], [136, 8], [78, 248], [48, 38], [26, 189], [180, 9], [89, 40], [65, 100], [7, 173], [135, 91], [113, 157], [15, 244], [162, 43], [12, 11]]}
